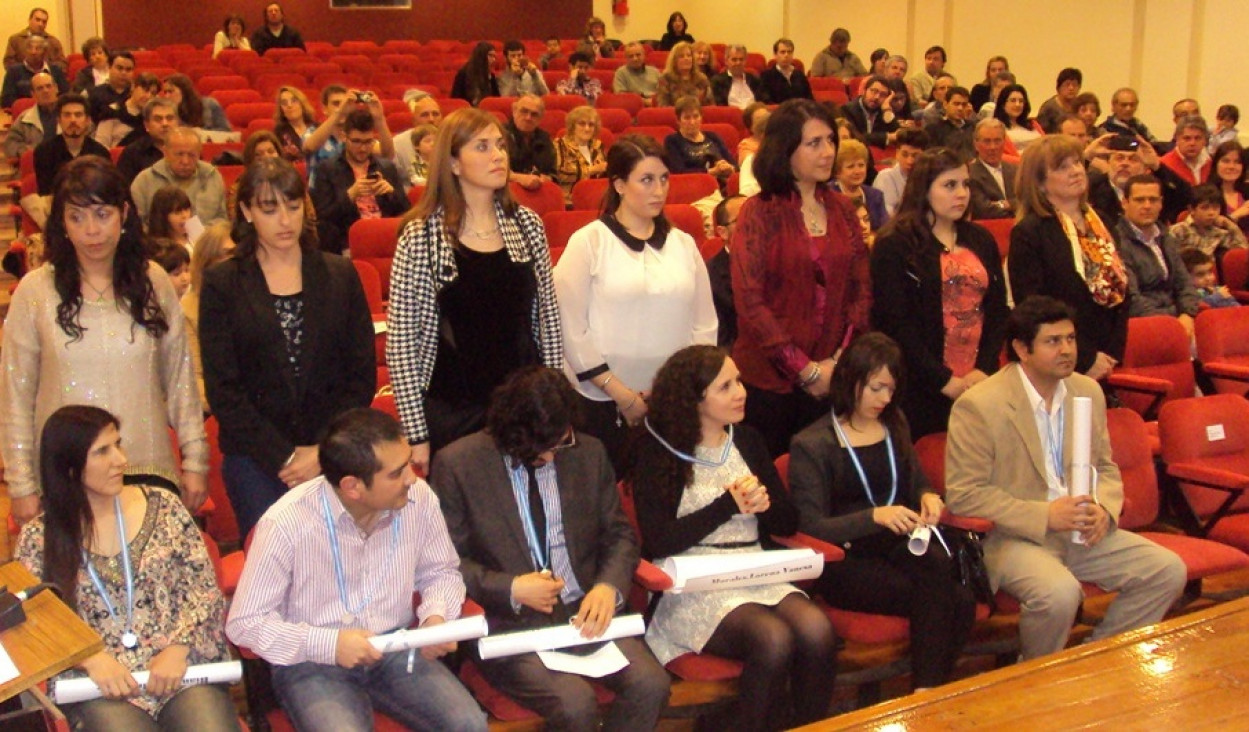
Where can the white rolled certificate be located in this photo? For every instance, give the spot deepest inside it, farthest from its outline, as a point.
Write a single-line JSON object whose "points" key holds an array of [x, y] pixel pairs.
{"points": [[1081, 447], [746, 569], [917, 544], [466, 628], [72, 691], [549, 639]]}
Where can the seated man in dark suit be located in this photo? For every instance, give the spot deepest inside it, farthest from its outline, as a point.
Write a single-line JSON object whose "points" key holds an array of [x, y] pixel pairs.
{"points": [[532, 508], [19, 76], [735, 86], [530, 150], [784, 80], [992, 180], [355, 185], [275, 33], [160, 115], [867, 113], [108, 101], [725, 219], [56, 150]]}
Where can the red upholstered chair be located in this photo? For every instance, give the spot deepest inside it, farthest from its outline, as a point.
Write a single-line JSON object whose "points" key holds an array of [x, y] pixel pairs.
{"points": [[587, 194], [553, 77], [415, 193], [657, 116], [285, 55], [260, 123], [552, 122], [827, 83], [711, 247], [728, 133], [658, 133], [614, 119], [497, 104], [690, 187], [1205, 444], [1235, 267], [560, 225], [1000, 229], [371, 281], [240, 115], [1157, 366], [399, 122], [1202, 557], [563, 101], [227, 97], [232, 56], [374, 241], [449, 105], [548, 197], [629, 102], [687, 218], [1223, 347], [402, 46], [268, 82], [225, 82]]}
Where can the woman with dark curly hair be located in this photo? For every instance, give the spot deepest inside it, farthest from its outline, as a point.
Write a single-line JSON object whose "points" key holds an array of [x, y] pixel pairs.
{"points": [[703, 484], [476, 80], [101, 326], [857, 483], [194, 110]]}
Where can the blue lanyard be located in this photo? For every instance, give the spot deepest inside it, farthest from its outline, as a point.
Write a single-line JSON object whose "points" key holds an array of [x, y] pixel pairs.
{"points": [[539, 553], [128, 637], [724, 456], [854, 458], [1056, 443], [340, 575]]}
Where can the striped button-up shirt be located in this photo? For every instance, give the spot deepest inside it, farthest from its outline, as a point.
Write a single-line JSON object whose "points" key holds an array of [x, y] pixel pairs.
{"points": [[287, 608], [548, 487]]}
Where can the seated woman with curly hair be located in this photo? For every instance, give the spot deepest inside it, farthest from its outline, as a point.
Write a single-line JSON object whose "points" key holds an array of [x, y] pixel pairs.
{"points": [[579, 152]]}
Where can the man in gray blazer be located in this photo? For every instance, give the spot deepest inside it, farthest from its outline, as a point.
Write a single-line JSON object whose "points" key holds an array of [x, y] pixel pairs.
{"points": [[992, 181], [1008, 459], [532, 509]]}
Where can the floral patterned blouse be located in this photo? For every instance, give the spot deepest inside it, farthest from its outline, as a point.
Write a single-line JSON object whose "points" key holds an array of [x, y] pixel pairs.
{"points": [[176, 596]]}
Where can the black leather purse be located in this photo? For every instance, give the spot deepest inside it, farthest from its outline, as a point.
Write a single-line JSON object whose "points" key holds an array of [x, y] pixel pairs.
{"points": [[968, 566]]}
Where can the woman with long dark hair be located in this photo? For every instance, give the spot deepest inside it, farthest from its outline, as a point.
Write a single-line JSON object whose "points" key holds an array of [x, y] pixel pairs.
{"points": [[677, 31], [939, 290], [704, 484], [100, 326], [857, 483], [476, 79], [130, 561], [1227, 171], [1013, 110], [800, 274], [471, 295], [193, 109], [287, 342], [293, 123], [633, 290]]}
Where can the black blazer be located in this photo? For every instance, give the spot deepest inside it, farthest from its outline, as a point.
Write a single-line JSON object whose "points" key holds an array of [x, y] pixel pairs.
{"points": [[722, 84], [336, 212], [264, 412], [1040, 263], [857, 114], [985, 191], [906, 306]]}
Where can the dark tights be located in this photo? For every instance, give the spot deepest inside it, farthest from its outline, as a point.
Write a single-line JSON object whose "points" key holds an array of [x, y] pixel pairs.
{"points": [[790, 663]]}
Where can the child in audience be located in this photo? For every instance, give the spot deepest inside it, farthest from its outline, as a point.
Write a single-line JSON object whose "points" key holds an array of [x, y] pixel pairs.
{"points": [[1225, 121], [1206, 229], [1201, 269], [168, 217], [176, 261], [423, 139]]}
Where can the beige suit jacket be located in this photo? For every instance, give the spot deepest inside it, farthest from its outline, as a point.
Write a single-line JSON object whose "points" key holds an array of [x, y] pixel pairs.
{"points": [[995, 461]]}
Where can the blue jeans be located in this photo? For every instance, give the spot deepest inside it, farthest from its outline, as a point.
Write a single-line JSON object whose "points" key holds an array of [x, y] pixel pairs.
{"points": [[251, 490], [318, 696]]}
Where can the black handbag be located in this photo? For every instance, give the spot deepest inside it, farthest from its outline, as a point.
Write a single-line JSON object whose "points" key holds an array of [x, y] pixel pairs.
{"points": [[968, 566]]}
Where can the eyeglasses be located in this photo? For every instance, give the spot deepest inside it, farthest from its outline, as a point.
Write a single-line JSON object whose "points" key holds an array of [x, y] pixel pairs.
{"points": [[569, 441], [359, 142]]}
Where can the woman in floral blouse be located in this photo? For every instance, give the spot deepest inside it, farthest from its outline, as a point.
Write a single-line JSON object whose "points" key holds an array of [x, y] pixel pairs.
{"points": [[579, 153], [130, 561]]}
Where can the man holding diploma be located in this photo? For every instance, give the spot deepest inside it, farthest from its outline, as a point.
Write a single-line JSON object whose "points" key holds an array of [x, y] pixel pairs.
{"points": [[335, 562], [1009, 458], [531, 505]]}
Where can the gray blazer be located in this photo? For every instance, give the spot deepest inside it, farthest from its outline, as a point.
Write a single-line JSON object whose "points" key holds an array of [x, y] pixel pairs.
{"points": [[471, 480], [985, 191], [1153, 291]]}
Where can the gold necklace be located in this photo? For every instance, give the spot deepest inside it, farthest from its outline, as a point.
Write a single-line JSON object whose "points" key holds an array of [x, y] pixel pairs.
{"points": [[99, 293], [812, 218]]}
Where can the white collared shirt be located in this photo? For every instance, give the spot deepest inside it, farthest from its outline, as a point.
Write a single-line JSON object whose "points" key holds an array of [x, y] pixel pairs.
{"points": [[740, 95], [996, 172], [1049, 424]]}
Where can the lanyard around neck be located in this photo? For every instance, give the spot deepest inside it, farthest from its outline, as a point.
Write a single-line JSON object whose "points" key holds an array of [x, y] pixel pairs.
{"points": [[858, 467], [724, 455], [128, 637], [1055, 441], [340, 575]]}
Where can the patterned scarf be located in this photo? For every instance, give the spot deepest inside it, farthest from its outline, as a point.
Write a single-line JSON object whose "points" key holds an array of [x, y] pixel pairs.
{"points": [[1096, 259]]}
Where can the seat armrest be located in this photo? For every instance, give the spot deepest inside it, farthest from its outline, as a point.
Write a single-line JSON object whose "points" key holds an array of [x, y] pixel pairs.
{"points": [[831, 552]]}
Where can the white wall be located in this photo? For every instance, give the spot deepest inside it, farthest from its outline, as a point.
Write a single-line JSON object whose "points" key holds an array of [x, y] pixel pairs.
{"points": [[1166, 49], [14, 14]]}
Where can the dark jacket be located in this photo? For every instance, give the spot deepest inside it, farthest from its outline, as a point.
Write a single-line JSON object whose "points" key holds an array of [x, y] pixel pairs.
{"points": [[1041, 263], [907, 306], [532, 153], [778, 89], [336, 212], [722, 84], [1155, 292], [17, 81], [857, 114], [263, 40], [722, 297], [138, 156], [985, 191], [52, 154], [263, 410]]}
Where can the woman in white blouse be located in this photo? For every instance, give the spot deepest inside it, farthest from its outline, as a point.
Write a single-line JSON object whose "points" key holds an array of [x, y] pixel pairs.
{"points": [[233, 34], [632, 291]]}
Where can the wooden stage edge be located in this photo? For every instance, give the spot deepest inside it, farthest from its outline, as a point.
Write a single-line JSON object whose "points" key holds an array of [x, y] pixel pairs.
{"points": [[1188, 673]]}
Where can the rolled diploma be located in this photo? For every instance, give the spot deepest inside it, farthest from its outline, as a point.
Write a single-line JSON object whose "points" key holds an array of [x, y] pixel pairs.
{"points": [[1081, 439], [72, 691], [745, 569], [466, 628], [549, 639]]}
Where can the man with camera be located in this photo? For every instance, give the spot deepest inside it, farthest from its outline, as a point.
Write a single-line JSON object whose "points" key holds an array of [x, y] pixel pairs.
{"points": [[520, 76], [326, 140]]}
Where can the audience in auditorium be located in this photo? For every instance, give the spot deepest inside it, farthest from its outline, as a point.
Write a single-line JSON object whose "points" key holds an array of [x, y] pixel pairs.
{"points": [[871, 115], [982, 93], [1201, 268], [466, 242], [1089, 108], [579, 151], [755, 119], [1055, 223], [476, 79], [1207, 229], [108, 100], [992, 179], [705, 485], [56, 151], [895, 68], [413, 161], [1189, 159], [275, 33], [579, 80], [953, 130], [892, 181], [921, 82], [676, 32], [693, 150], [233, 35], [938, 289], [532, 479], [636, 76], [327, 140], [791, 325], [724, 220], [160, 115], [355, 185], [181, 166], [61, 343], [837, 59], [1127, 157], [18, 77], [554, 51], [1000, 82], [878, 62], [520, 76], [1013, 110], [95, 73], [596, 44], [289, 611], [36, 25], [201, 112], [262, 144], [736, 86], [1122, 118], [1158, 282], [867, 438], [1063, 102], [31, 127], [681, 78], [1227, 172], [127, 125], [530, 149], [175, 259], [287, 342], [783, 79], [1225, 121], [618, 326], [1045, 541]]}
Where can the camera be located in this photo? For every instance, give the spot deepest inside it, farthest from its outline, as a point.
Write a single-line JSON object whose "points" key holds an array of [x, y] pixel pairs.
{"points": [[364, 97]]}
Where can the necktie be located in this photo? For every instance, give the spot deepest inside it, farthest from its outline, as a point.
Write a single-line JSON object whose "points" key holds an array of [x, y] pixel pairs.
{"points": [[537, 515]]}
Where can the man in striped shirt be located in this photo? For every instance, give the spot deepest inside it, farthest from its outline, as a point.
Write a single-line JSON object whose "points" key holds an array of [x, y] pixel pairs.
{"points": [[335, 562]]}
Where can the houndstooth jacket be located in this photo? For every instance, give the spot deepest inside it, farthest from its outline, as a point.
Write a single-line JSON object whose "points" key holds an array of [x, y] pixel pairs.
{"points": [[424, 264]]}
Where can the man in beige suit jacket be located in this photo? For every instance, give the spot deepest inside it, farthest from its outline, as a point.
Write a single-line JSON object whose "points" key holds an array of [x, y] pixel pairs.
{"points": [[1001, 465]]}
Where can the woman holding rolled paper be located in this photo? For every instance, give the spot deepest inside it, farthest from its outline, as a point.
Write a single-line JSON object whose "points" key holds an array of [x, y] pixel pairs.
{"points": [[857, 483], [703, 484], [130, 561]]}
